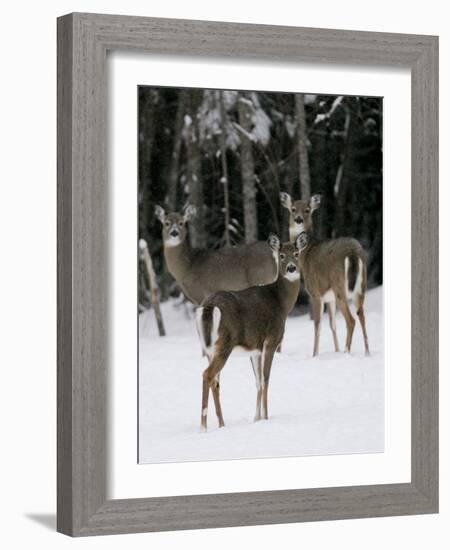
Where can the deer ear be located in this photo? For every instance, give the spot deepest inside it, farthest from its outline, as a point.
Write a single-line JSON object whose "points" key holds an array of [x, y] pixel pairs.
{"points": [[285, 200], [274, 242], [160, 213], [189, 212], [301, 241], [314, 201]]}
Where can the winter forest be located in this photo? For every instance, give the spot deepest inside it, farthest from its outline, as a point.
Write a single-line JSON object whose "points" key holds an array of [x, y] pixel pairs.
{"points": [[227, 156], [230, 153]]}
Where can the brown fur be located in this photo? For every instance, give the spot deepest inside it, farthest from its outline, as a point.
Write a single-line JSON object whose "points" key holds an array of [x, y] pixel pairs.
{"points": [[253, 319], [199, 273], [323, 267], [322, 263]]}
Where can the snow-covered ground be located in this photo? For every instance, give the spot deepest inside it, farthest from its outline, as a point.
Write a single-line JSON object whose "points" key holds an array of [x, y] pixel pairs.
{"points": [[331, 404]]}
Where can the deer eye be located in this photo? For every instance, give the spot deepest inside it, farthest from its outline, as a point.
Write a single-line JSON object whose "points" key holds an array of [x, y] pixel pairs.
{"points": [[296, 255], [167, 224], [308, 210], [293, 209], [180, 223], [282, 256]]}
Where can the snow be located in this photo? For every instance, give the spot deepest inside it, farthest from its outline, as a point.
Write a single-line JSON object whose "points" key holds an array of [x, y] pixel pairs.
{"points": [[248, 135], [291, 126], [324, 116], [211, 124], [310, 98], [330, 404], [261, 123]]}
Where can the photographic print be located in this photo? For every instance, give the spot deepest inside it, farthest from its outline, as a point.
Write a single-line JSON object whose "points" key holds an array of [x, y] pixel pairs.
{"points": [[260, 274]]}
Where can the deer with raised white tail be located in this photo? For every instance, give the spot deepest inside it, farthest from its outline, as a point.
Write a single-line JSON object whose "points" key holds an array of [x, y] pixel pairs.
{"points": [[334, 272], [252, 321], [200, 272]]}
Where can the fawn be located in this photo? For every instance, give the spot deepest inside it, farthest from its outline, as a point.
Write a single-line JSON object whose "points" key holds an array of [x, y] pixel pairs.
{"points": [[252, 321]]}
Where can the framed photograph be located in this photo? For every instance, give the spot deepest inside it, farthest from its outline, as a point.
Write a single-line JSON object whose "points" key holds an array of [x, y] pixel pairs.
{"points": [[238, 205]]}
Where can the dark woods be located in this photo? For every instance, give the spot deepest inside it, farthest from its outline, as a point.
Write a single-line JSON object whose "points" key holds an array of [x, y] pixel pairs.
{"points": [[230, 153]]}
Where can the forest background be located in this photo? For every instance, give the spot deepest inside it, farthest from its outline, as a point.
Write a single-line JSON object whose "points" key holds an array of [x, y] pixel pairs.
{"points": [[230, 153]]}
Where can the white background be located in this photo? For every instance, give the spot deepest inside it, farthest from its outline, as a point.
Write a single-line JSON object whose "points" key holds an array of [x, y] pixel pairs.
{"points": [[131, 480], [28, 271]]}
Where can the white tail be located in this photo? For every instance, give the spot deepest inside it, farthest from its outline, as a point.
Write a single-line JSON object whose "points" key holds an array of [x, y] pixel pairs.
{"points": [[209, 340], [334, 272], [357, 289]]}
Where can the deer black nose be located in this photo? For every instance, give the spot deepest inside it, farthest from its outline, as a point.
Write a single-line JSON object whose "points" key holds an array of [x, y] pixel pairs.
{"points": [[298, 219], [291, 268], [174, 233]]}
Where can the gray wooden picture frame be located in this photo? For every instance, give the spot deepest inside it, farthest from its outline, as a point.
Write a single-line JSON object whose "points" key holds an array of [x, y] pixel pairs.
{"points": [[83, 41]]}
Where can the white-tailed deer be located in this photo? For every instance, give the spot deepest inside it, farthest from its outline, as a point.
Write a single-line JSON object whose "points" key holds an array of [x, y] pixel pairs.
{"points": [[199, 273], [252, 321], [334, 272]]}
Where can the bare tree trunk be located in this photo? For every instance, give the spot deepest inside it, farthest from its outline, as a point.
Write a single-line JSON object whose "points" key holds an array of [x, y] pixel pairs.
{"points": [[172, 184], [154, 296], [303, 168], [303, 162], [245, 109], [195, 184], [342, 223], [224, 178], [319, 146], [145, 156]]}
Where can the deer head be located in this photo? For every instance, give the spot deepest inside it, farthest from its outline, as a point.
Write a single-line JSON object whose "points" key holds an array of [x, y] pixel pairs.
{"points": [[174, 224], [289, 257], [300, 212]]}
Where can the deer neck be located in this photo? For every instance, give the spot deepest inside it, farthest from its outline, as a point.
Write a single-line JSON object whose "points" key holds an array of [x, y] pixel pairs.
{"points": [[293, 231], [305, 253], [179, 258], [287, 292], [296, 228]]}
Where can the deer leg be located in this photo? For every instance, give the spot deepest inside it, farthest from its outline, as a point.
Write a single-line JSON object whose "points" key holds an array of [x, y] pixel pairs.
{"points": [[205, 396], [267, 358], [211, 380], [317, 307], [215, 388], [349, 321], [257, 369], [359, 302], [332, 316]]}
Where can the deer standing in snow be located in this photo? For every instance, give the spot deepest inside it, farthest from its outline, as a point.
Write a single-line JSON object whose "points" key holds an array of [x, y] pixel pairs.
{"points": [[199, 273], [252, 321], [334, 272]]}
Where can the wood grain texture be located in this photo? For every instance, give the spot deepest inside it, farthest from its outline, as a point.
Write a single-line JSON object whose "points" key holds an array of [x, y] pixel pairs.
{"points": [[425, 273], [64, 299], [83, 40], [83, 206]]}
